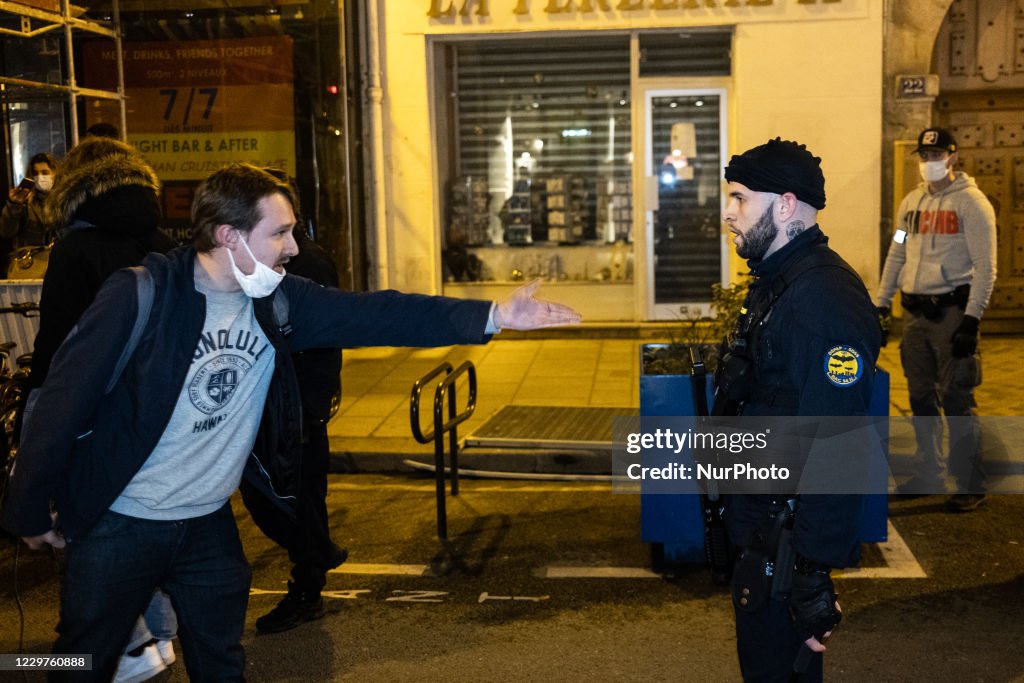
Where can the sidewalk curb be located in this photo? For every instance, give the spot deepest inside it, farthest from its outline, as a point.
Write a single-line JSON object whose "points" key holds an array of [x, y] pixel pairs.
{"points": [[505, 460]]}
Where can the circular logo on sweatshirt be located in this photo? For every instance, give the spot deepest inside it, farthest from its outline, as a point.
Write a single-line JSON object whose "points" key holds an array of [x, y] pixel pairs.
{"points": [[215, 383], [843, 365]]}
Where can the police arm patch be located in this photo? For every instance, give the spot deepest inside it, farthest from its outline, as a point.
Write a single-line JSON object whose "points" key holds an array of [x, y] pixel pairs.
{"points": [[843, 365]]}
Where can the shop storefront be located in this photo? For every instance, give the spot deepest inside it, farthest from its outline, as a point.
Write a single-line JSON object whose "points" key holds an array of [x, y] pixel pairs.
{"points": [[195, 87], [582, 141]]}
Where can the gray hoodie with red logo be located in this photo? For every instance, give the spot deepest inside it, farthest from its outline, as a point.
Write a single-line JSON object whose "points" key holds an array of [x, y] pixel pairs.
{"points": [[943, 240]]}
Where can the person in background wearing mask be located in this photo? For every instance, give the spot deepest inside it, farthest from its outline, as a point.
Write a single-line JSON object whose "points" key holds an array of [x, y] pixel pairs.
{"points": [[140, 477], [23, 220], [943, 259]]}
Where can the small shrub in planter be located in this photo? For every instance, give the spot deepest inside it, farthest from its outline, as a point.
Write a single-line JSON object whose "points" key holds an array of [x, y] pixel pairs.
{"points": [[706, 332]]}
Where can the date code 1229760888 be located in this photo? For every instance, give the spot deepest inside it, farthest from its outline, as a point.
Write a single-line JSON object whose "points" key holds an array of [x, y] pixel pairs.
{"points": [[45, 662]]}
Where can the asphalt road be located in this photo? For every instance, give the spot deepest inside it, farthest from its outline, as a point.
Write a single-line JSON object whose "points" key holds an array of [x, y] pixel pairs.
{"points": [[485, 607]]}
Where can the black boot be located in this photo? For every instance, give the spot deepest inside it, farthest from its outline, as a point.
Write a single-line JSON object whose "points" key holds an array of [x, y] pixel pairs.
{"points": [[294, 609]]}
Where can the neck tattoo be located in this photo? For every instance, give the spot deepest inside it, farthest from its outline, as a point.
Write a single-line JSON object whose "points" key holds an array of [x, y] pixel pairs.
{"points": [[795, 228]]}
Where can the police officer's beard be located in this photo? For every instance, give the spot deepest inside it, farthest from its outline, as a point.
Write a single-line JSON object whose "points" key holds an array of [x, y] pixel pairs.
{"points": [[757, 240]]}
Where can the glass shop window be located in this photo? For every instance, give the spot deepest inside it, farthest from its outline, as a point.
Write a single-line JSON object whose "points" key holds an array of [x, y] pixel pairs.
{"points": [[538, 147]]}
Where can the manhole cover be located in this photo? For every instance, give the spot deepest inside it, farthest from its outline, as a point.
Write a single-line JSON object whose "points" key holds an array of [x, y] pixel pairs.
{"points": [[549, 427]]}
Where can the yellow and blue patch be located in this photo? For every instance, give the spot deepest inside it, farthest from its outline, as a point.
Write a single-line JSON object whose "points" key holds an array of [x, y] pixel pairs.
{"points": [[843, 365]]}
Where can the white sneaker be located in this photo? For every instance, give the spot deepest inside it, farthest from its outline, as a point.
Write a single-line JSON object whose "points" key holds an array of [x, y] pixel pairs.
{"points": [[166, 650], [141, 668]]}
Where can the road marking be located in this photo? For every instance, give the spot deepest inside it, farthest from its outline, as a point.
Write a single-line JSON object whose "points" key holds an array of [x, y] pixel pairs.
{"points": [[417, 596], [485, 596], [384, 569], [900, 562], [336, 595], [555, 572]]}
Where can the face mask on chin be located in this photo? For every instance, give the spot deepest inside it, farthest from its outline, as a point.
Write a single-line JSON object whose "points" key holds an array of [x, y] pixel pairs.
{"points": [[261, 282], [932, 171], [44, 183]]}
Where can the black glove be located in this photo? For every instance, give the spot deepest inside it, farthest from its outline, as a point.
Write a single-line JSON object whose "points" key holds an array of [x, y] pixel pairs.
{"points": [[813, 603], [965, 337], [884, 321]]}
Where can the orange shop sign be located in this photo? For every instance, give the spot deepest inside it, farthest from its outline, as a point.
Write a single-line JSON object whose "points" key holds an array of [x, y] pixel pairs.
{"points": [[196, 106]]}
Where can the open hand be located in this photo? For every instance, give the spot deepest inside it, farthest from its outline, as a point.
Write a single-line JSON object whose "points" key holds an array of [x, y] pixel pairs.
{"points": [[51, 537], [522, 311]]}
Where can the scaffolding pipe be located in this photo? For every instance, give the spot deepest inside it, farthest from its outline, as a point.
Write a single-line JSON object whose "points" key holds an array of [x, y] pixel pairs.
{"points": [[378, 192], [123, 115]]}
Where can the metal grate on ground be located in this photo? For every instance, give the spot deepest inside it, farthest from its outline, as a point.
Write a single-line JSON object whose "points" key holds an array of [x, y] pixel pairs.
{"points": [[583, 428]]}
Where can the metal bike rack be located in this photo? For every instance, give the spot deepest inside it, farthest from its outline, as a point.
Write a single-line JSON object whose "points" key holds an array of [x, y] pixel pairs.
{"points": [[444, 386]]}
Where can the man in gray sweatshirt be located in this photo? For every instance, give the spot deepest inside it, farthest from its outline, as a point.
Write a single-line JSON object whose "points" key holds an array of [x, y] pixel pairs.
{"points": [[943, 259]]}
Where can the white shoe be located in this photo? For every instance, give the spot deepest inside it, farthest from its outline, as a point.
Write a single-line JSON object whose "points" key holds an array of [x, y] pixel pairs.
{"points": [[141, 668], [166, 650]]}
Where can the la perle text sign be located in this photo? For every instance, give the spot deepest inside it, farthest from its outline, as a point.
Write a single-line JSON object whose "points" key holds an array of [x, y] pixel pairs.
{"points": [[450, 8]]}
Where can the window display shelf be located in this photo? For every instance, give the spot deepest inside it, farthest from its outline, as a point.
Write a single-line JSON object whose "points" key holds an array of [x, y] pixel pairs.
{"points": [[582, 264], [596, 301]]}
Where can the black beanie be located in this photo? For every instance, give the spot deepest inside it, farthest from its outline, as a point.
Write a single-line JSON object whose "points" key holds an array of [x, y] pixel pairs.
{"points": [[780, 166]]}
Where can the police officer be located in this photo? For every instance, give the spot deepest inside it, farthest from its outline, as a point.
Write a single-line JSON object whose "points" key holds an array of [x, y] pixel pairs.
{"points": [[943, 258], [805, 308]]}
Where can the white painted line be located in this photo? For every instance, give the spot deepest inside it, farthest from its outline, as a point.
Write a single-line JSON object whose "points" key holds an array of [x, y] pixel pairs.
{"points": [[385, 569], [597, 573], [900, 562], [334, 595], [485, 597]]}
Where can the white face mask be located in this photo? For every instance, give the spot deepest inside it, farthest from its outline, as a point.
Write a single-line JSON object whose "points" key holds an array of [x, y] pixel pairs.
{"points": [[44, 183], [932, 171], [261, 282]]}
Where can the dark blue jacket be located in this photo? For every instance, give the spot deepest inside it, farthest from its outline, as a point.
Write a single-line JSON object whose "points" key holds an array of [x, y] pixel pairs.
{"points": [[84, 447], [823, 314]]}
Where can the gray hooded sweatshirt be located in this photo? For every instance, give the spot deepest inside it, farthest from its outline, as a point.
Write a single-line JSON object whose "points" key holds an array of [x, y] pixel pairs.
{"points": [[943, 240]]}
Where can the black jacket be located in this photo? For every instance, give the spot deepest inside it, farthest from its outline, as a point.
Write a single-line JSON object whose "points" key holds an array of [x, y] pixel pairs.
{"points": [[93, 444], [107, 213], [823, 308], [318, 370]]}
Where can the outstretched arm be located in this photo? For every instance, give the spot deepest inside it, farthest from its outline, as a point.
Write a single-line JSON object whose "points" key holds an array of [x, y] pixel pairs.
{"points": [[522, 311]]}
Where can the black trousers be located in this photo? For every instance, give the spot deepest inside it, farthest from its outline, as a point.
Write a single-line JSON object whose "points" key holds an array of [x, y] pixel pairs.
{"points": [[307, 538], [768, 646]]}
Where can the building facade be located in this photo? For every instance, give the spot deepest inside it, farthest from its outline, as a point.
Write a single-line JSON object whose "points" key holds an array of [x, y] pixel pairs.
{"points": [[582, 141]]}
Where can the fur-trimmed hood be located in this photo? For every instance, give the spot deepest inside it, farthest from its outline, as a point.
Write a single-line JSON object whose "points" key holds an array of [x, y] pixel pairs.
{"points": [[94, 179]]}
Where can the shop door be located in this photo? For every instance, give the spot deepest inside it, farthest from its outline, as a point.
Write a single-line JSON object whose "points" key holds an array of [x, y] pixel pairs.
{"points": [[682, 201], [990, 133]]}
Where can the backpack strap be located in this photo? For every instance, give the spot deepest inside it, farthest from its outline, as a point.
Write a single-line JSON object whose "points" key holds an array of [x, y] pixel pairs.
{"points": [[280, 305], [144, 293]]}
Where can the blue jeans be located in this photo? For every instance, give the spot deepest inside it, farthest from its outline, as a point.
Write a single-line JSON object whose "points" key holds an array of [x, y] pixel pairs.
{"points": [[113, 570], [159, 622]]}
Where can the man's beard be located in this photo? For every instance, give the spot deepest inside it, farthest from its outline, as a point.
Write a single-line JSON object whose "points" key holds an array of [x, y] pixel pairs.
{"points": [[758, 238]]}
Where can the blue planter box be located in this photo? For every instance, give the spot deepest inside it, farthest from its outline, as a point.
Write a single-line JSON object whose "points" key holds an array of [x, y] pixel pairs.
{"points": [[675, 521]]}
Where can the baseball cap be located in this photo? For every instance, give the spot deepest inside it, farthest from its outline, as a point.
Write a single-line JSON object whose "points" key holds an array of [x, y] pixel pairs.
{"points": [[936, 138]]}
